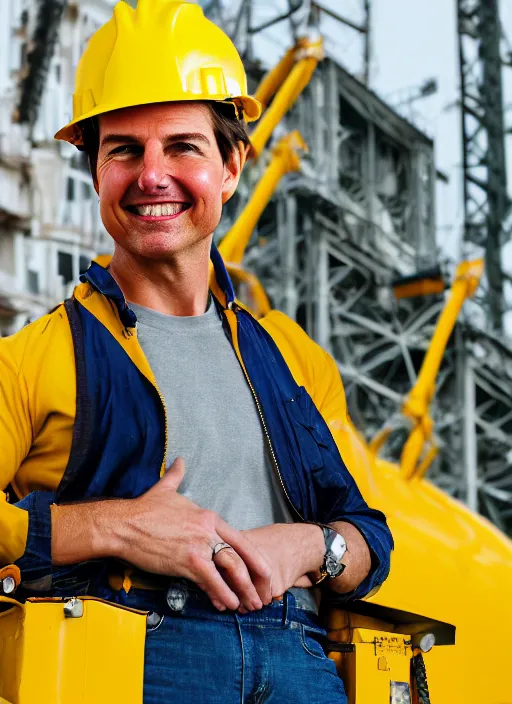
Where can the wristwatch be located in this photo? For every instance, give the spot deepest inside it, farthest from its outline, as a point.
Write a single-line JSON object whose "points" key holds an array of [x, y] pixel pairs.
{"points": [[335, 549]]}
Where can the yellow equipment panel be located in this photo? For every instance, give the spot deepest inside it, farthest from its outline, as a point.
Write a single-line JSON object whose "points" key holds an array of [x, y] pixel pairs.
{"points": [[376, 668], [93, 655]]}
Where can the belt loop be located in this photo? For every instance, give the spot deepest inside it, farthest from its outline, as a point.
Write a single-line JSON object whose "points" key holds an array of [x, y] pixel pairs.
{"points": [[286, 597]]}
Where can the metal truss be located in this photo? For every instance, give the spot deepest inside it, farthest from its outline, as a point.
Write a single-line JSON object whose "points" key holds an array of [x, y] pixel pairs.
{"points": [[244, 20], [486, 201], [359, 214]]}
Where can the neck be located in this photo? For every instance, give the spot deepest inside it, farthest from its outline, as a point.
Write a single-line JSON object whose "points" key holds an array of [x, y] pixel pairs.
{"points": [[178, 286]]}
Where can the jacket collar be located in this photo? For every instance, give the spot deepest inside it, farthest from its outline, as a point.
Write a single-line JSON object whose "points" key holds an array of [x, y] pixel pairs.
{"points": [[100, 278]]}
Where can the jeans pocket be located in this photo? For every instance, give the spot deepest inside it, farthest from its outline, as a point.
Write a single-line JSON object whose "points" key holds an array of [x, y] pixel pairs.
{"points": [[312, 640]]}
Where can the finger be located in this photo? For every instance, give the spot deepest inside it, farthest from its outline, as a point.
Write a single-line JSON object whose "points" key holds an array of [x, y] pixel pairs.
{"points": [[256, 564], [174, 475], [206, 576], [218, 605], [235, 573]]}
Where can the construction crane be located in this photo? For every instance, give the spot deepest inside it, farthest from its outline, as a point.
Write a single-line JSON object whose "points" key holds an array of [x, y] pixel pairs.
{"points": [[486, 200], [378, 644], [362, 210]]}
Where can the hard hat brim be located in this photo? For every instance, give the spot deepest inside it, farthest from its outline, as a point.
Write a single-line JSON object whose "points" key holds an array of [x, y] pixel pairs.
{"points": [[71, 133]]}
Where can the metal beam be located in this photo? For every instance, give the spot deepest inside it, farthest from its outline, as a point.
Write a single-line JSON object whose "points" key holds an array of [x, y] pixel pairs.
{"points": [[483, 140]]}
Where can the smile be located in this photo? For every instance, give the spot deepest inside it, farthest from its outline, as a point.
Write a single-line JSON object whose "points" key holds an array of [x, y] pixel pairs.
{"points": [[158, 210]]}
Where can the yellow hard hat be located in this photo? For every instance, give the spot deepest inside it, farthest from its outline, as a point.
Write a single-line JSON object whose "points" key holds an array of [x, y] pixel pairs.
{"points": [[165, 50]]}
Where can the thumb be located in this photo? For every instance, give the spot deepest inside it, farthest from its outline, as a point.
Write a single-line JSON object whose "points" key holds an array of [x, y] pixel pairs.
{"points": [[174, 475]]}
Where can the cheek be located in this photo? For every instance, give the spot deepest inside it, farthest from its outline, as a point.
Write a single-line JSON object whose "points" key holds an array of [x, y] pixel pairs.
{"points": [[113, 181], [205, 183]]}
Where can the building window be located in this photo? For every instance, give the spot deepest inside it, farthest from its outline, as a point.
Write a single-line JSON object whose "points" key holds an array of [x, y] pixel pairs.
{"points": [[65, 266], [86, 191], [33, 282], [70, 189], [84, 263]]}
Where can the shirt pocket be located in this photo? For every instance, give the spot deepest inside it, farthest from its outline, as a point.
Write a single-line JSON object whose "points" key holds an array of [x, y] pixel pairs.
{"points": [[310, 436]]}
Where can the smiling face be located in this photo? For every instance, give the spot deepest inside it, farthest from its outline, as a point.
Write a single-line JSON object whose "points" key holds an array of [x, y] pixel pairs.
{"points": [[161, 178]]}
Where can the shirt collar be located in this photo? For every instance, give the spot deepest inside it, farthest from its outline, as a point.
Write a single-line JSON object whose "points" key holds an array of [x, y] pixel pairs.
{"points": [[100, 278]]}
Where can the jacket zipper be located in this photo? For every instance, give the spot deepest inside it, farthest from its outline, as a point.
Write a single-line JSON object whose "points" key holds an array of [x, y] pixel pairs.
{"points": [[166, 429], [234, 308]]}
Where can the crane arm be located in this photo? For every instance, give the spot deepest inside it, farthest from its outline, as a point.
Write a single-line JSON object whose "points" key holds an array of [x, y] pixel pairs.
{"points": [[416, 404], [285, 158], [273, 79], [299, 63]]}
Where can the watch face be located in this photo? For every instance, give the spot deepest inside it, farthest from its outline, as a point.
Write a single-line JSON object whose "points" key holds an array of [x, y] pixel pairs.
{"points": [[336, 549], [339, 546]]}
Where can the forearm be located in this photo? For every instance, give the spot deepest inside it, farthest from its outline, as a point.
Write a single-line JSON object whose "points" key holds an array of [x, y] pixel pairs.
{"points": [[87, 531]]}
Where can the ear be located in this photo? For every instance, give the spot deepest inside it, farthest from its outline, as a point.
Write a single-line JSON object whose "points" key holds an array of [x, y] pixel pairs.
{"points": [[232, 171]]}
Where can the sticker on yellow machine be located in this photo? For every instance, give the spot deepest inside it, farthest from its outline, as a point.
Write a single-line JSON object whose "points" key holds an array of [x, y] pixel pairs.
{"points": [[390, 645]]}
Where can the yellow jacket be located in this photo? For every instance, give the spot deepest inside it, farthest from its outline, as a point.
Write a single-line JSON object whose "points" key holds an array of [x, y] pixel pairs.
{"points": [[38, 407]]}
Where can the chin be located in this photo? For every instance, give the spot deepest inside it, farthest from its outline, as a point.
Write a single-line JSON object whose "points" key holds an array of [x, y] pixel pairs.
{"points": [[162, 247]]}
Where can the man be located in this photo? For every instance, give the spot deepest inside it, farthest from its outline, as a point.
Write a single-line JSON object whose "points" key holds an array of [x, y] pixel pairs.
{"points": [[150, 368]]}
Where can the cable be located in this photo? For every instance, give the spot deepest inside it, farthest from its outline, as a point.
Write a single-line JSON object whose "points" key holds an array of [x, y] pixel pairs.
{"points": [[419, 674]]}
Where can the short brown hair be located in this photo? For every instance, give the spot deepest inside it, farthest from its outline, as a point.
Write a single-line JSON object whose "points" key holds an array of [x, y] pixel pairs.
{"points": [[228, 129]]}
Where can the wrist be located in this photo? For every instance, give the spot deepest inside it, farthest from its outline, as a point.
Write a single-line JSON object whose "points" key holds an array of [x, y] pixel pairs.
{"points": [[312, 536], [89, 530], [110, 533]]}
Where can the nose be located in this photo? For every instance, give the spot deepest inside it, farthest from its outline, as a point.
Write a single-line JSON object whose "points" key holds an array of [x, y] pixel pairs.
{"points": [[154, 176]]}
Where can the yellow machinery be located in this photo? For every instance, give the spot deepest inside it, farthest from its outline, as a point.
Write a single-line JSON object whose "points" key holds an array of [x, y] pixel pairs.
{"points": [[451, 573]]}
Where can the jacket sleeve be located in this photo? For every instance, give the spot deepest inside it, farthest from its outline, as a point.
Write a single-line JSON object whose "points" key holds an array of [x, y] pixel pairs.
{"points": [[25, 527], [352, 507]]}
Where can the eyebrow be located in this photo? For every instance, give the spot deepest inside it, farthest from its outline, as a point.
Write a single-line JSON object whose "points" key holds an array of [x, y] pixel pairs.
{"points": [[171, 139]]}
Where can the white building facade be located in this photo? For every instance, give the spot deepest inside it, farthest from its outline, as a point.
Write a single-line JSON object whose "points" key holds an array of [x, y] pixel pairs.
{"points": [[50, 226]]}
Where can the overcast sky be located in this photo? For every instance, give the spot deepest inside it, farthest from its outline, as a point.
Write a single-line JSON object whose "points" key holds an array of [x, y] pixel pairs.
{"points": [[412, 41]]}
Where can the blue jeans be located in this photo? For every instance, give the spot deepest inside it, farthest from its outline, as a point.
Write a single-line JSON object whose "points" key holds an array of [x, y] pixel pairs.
{"points": [[198, 655]]}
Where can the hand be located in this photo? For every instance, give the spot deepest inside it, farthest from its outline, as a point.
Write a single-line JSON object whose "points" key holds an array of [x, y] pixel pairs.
{"points": [[292, 550], [169, 534]]}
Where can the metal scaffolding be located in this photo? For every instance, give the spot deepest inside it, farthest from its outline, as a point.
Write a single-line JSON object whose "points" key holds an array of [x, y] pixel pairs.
{"points": [[486, 201], [359, 214]]}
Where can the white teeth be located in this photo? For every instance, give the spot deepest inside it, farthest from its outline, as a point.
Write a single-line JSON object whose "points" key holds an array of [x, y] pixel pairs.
{"points": [[160, 210]]}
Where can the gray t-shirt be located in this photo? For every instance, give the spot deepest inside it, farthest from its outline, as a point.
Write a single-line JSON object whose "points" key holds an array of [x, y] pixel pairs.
{"points": [[213, 422]]}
